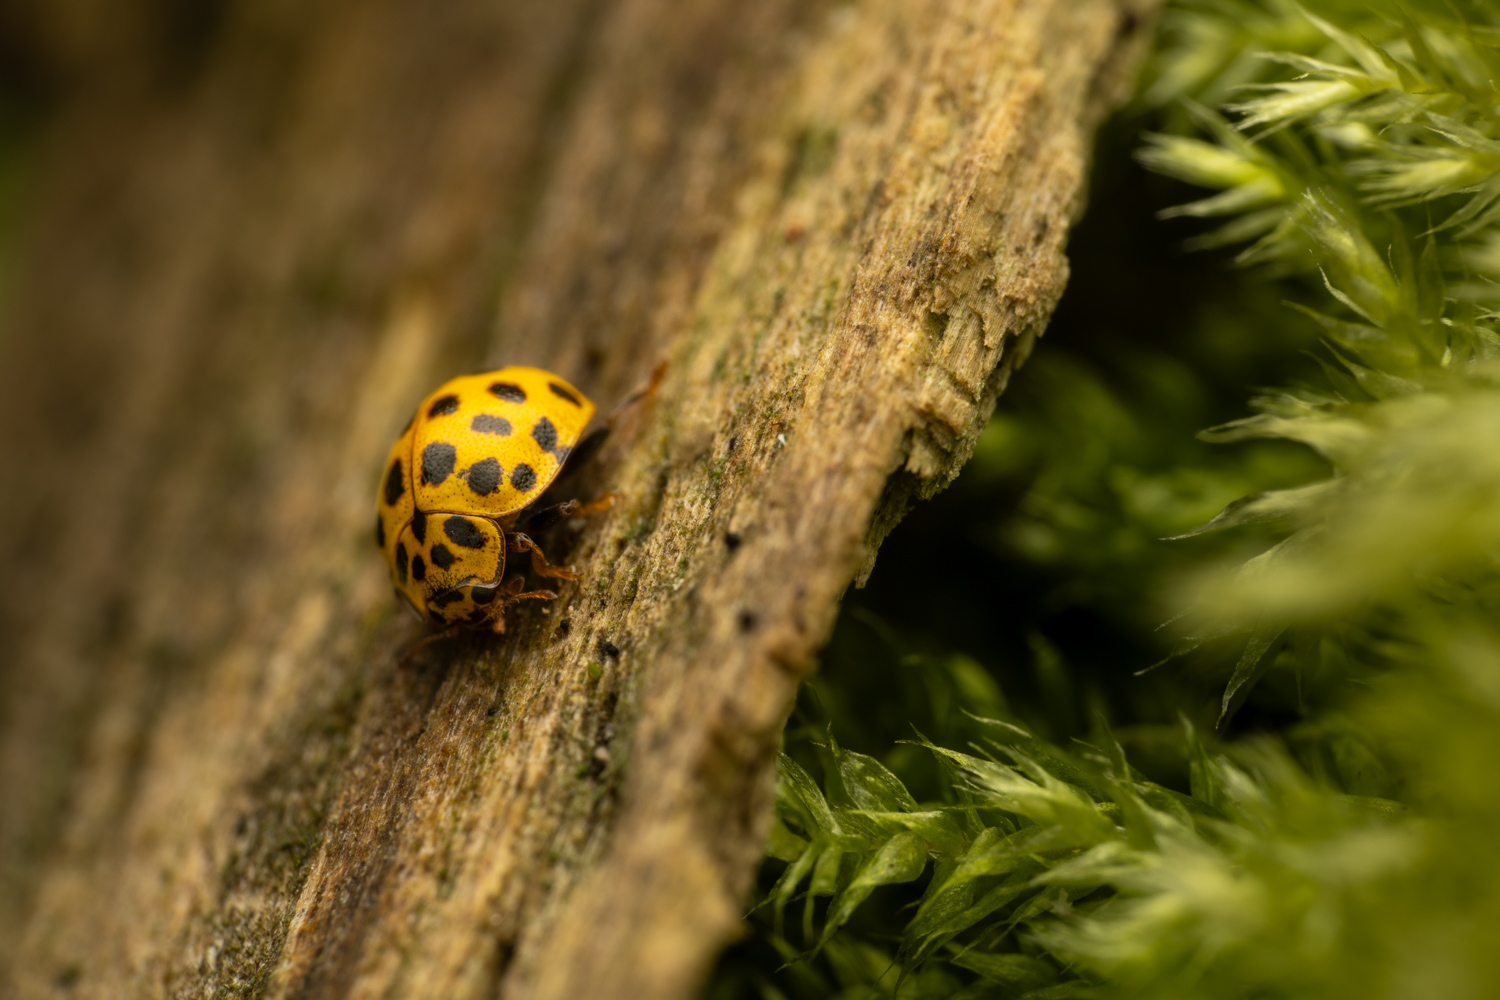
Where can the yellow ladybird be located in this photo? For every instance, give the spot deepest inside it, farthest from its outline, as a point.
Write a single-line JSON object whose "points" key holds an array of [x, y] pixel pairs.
{"points": [[480, 450]]}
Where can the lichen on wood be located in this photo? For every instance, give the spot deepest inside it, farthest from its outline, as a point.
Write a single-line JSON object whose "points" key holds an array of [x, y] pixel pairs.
{"points": [[840, 226]]}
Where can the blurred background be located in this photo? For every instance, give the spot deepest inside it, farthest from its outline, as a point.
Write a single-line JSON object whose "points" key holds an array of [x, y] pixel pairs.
{"points": [[293, 218]]}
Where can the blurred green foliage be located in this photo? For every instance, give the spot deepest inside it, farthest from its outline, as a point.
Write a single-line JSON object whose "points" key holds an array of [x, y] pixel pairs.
{"points": [[1061, 755]]}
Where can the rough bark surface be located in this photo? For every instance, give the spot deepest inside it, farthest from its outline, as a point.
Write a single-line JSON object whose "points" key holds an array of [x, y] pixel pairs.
{"points": [[253, 248]]}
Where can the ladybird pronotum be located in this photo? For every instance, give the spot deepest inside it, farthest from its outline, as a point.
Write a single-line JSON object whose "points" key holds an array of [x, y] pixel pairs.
{"points": [[479, 450]]}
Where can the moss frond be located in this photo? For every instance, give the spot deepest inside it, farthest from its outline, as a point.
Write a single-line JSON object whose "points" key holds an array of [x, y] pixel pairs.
{"points": [[1341, 847]]}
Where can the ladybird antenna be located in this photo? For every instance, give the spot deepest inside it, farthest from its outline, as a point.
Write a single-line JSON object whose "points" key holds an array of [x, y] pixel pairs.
{"points": [[640, 392]]}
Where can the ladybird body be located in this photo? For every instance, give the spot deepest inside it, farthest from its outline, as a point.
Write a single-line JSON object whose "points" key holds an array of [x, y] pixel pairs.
{"points": [[479, 450]]}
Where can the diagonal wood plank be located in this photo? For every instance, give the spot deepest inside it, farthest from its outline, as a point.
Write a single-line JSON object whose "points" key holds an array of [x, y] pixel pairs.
{"points": [[841, 226]]}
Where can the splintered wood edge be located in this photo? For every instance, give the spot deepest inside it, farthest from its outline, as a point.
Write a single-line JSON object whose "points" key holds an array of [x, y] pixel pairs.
{"points": [[955, 291]]}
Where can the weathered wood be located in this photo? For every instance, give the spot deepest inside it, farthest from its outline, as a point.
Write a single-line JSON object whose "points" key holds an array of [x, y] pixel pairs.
{"points": [[841, 226]]}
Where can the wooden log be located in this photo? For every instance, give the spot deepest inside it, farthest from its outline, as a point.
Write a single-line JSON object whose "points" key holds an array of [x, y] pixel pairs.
{"points": [[247, 254]]}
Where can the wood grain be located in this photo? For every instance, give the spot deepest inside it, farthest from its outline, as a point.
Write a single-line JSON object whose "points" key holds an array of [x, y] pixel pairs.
{"points": [[841, 226]]}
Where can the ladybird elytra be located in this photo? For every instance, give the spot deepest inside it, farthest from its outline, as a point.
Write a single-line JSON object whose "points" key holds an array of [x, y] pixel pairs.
{"points": [[480, 449]]}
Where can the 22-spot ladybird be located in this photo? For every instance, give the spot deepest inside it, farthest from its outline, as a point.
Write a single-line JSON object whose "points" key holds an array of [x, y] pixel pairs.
{"points": [[479, 450]]}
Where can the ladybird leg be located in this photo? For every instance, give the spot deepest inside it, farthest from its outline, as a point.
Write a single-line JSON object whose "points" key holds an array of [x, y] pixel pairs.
{"points": [[497, 622], [534, 595], [640, 392], [548, 516], [511, 592], [539, 564], [594, 440], [594, 506]]}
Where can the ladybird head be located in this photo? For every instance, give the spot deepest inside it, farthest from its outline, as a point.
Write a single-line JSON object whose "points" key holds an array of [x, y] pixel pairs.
{"points": [[441, 561]]}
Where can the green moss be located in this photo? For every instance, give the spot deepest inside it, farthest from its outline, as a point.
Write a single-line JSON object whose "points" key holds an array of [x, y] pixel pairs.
{"points": [[1297, 800]]}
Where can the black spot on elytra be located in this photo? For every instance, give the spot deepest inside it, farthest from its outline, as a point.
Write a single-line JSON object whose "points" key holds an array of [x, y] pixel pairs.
{"points": [[418, 568], [443, 406], [732, 539], [508, 391], [522, 477], [462, 531], [441, 557], [419, 524], [484, 595], [445, 598], [488, 423], [485, 476], [545, 434], [379, 532], [401, 561], [562, 393], [609, 649], [437, 462], [395, 484]]}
